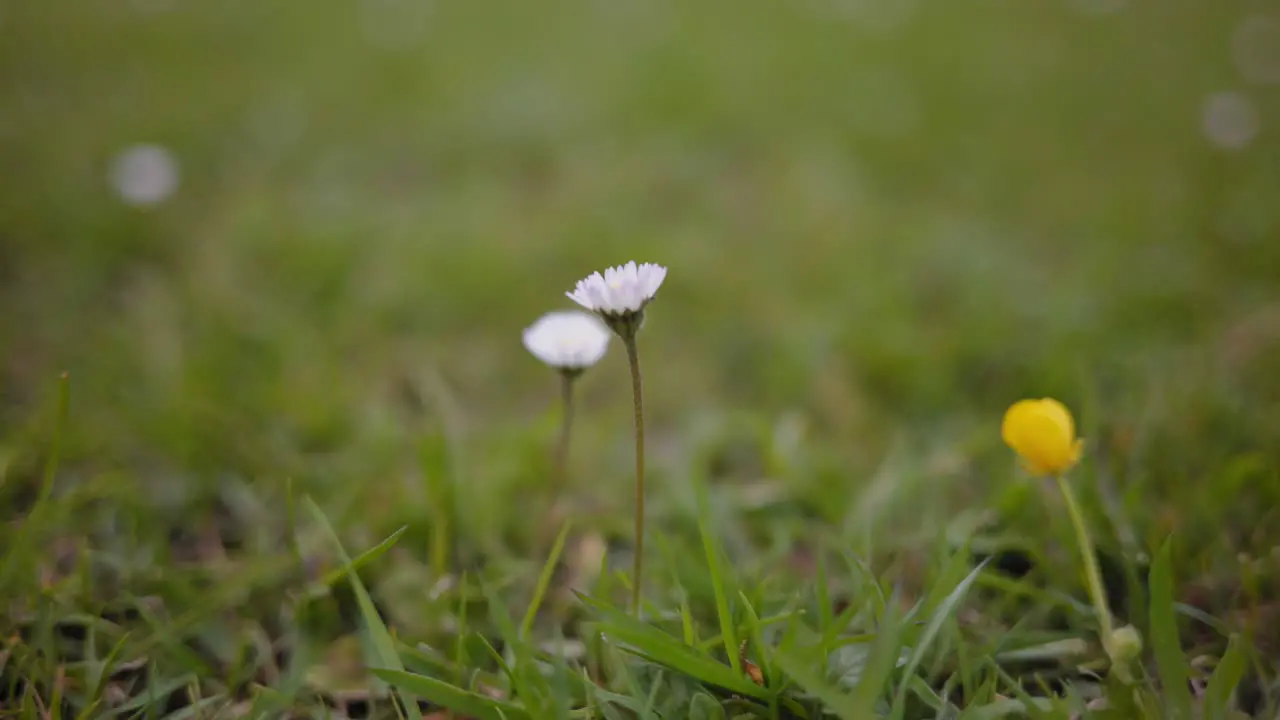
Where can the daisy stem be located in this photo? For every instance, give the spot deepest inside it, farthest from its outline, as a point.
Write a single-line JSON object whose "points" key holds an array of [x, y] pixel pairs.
{"points": [[637, 393], [566, 424], [1090, 562]]}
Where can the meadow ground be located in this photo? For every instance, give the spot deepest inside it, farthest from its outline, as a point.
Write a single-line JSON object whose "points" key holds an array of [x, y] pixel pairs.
{"points": [[884, 223]]}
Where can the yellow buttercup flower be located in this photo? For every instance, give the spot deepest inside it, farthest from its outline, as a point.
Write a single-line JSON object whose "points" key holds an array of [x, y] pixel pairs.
{"points": [[1043, 434]]}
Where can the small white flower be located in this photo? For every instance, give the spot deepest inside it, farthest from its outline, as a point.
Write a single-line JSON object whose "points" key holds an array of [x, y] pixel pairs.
{"points": [[621, 290], [567, 340], [145, 175]]}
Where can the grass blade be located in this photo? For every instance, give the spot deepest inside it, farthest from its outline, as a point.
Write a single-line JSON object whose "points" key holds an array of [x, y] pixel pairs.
{"points": [[846, 707], [727, 628], [59, 429], [333, 576], [100, 675], [154, 694], [197, 709], [18, 546], [382, 642], [940, 616], [528, 680], [544, 581], [826, 613], [456, 699], [883, 658], [1165, 643], [439, 473], [657, 646], [1226, 676], [757, 638]]}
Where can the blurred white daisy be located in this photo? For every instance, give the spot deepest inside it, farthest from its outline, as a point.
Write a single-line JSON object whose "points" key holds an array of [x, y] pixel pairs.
{"points": [[622, 290], [1230, 120], [567, 340], [145, 175]]}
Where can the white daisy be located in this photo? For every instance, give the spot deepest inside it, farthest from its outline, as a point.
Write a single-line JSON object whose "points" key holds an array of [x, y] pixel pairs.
{"points": [[567, 340], [619, 298], [622, 290]]}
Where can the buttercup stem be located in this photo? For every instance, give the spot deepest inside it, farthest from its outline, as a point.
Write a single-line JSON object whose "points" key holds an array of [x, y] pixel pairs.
{"points": [[1090, 562], [633, 359], [566, 424]]}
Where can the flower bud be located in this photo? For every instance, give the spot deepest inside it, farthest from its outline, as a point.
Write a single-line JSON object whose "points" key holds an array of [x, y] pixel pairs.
{"points": [[1124, 645], [1043, 434]]}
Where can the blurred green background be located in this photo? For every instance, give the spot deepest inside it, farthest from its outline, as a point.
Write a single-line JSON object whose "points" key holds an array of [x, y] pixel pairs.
{"points": [[299, 241]]}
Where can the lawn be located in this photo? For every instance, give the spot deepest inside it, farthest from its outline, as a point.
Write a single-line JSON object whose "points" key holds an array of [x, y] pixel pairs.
{"points": [[265, 269]]}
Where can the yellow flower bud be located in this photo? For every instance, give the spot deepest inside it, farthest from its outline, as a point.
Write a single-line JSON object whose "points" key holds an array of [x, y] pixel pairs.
{"points": [[1043, 434]]}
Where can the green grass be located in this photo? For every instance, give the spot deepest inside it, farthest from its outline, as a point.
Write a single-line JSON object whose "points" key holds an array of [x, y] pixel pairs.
{"points": [[878, 238]]}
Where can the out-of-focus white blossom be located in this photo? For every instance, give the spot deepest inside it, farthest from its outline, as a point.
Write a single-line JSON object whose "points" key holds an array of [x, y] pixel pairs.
{"points": [[1230, 120], [144, 175], [567, 340]]}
